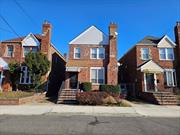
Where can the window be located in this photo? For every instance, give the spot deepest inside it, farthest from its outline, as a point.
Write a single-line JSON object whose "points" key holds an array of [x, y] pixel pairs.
{"points": [[170, 77], [77, 53], [97, 53], [97, 75], [26, 50], [25, 77], [34, 49], [10, 51], [145, 53], [166, 54]]}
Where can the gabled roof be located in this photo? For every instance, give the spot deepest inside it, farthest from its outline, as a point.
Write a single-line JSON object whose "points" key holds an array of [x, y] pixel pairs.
{"points": [[91, 36], [151, 67], [38, 36], [150, 40], [166, 41], [3, 63], [30, 40]]}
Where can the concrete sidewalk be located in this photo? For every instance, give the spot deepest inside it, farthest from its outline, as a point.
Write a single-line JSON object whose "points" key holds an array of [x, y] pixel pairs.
{"points": [[136, 110]]}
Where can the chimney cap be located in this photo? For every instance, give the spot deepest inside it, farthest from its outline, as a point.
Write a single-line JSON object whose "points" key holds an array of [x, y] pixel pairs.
{"points": [[46, 22], [178, 23]]}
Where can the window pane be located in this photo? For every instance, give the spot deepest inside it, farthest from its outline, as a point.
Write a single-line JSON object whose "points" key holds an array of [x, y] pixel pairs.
{"points": [[100, 76], [34, 49], [170, 80], [101, 52], [77, 52], [26, 50], [94, 76], [93, 52], [162, 53], [145, 53], [174, 77], [170, 53], [10, 51]]}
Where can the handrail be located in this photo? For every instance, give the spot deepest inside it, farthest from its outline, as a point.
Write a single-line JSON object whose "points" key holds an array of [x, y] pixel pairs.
{"points": [[62, 87]]}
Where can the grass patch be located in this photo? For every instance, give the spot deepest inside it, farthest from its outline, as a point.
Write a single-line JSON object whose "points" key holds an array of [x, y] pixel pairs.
{"points": [[15, 94]]}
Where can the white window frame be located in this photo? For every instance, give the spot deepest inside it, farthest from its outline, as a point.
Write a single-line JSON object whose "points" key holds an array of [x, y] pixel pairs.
{"points": [[166, 54], [24, 49], [75, 53], [8, 50], [174, 79], [96, 68], [143, 53], [97, 52], [25, 75]]}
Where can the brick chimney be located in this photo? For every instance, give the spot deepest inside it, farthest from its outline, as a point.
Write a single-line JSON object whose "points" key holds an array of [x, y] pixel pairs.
{"points": [[46, 39], [112, 68], [177, 40]]}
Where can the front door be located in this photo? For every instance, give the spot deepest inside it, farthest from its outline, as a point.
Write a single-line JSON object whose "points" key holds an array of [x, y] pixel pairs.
{"points": [[73, 80], [150, 86]]}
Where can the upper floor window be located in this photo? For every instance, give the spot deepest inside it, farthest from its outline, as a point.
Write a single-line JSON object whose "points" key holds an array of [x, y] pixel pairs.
{"points": [[34, 49], [26, 50], [77, 53], [10, 50], [97, 53], [145, 53], [166, 53]]}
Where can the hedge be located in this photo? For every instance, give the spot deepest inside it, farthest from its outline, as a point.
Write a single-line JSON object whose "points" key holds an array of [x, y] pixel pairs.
{"points": [[110, 88], [86, 86]]}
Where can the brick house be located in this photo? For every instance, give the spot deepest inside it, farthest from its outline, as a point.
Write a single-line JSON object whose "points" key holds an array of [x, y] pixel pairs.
{"points": [[150, 66], [92, 58], [16, 50]]}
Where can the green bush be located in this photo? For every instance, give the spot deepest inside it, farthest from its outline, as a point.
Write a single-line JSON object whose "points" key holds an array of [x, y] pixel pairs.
{"points": [[86, 86], [110, 88]]}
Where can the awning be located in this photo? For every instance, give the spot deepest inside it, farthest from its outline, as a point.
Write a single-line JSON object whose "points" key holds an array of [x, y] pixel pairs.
{"points": [[150, 67], [3, 64], [73, 69]]}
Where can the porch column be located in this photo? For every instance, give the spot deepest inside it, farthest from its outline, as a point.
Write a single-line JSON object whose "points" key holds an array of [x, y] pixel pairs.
{"points": [[155, 82], [145, 86], [1, 77]]}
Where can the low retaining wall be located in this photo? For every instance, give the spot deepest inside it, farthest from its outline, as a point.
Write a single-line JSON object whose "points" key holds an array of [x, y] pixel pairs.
{"points": [[23, 100], [148, 96]]}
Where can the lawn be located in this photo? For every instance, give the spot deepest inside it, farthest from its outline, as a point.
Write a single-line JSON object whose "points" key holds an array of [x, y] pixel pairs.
{"points": [[15, 94]]}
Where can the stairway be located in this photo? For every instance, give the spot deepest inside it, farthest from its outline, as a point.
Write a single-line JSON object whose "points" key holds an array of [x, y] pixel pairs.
{"points": [[67, 96], [165, 98]]}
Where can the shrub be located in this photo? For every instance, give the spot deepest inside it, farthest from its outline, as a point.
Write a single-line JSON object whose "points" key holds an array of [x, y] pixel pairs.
{"points": [[86, 86], [91, 98], [110, 88], [110, 100]]}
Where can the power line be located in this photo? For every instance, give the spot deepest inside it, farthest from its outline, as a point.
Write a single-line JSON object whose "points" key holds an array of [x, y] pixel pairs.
{"points": [[25, 13], [2, 29], [12, 29]]}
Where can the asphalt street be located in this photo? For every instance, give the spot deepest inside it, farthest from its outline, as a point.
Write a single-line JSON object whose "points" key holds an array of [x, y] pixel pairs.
{"points": [[87, 125]]}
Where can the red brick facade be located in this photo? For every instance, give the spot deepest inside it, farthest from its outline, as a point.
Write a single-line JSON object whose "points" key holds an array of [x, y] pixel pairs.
{"points": [[85, 63], [57, 73], [132, 60]]}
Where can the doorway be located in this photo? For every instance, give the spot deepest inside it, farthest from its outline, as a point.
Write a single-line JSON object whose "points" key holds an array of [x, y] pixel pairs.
{"points": [[73, 80], [150, 82]]}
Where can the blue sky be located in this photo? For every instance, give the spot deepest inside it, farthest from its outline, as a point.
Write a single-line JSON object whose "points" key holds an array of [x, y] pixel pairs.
{"points": [[135, 19]]}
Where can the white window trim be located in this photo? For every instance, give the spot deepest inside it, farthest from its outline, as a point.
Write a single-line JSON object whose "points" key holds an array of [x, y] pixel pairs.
{"points": [[74, 53], [145, 82], [166, 54], [7, 51], [97, 51], [142, 54], [97, 75], [167, 77], [25, 76]]}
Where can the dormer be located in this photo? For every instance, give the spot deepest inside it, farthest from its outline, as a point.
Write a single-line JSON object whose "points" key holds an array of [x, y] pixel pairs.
{"points": [[166, 42], [30, 40]]}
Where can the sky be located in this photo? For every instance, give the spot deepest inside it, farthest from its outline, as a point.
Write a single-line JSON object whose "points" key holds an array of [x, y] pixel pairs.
{"points": [[135, 19]]}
